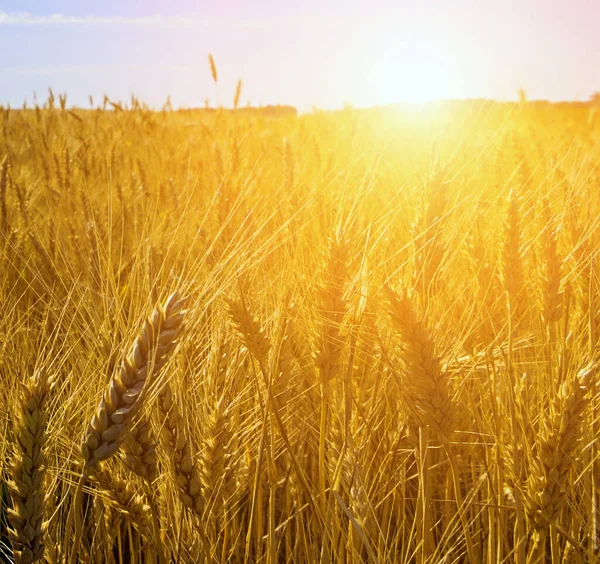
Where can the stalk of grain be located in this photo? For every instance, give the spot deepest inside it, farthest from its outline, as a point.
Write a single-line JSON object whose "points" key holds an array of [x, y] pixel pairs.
{"points": [[359, 529], [547, 484], [139, 456], [427, 232], [238, 92], [214, 459], [489, 291], [27, 473], [120, 401], [513, 277], [513, 280], [428, 392], [124, 395], [214, 74], [367, 360], [551, 267], [425, 385], [139, 451], [282, 362], [177, 445], [250, 331], [332, 307], [550, 279], [258, 344], [217, 475], [122, 496], [213, 67]]}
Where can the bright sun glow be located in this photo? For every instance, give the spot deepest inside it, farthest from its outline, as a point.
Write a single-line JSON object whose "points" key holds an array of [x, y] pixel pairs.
{"points": [[412, 74]]}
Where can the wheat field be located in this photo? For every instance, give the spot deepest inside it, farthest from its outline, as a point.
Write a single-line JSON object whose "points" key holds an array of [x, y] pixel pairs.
{"points": [[354, 336]]}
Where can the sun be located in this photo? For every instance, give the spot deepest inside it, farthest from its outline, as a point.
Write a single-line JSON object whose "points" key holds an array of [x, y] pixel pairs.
{"points": [[412, 73]]}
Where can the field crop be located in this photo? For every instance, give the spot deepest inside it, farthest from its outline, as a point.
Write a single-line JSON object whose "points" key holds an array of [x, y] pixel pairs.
{"points": [[354, 336]]}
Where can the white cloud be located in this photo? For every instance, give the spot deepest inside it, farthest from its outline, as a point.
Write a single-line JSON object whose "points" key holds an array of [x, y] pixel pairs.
{"points": [[100, 68], [27, 18]]}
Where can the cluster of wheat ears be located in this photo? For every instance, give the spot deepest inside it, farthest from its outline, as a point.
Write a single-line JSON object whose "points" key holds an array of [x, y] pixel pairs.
{"points": [[369, 336]]}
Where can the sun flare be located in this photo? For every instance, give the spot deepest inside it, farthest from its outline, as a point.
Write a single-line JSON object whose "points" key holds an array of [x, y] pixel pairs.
{"points": [[412, 74]]}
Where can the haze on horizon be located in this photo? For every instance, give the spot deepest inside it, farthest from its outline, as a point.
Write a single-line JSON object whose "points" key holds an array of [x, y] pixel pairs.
{"points": [[303, 54]]}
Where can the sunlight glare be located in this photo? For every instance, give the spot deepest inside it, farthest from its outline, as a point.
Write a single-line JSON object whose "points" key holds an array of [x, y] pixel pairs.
{"points": [[412, 74]]}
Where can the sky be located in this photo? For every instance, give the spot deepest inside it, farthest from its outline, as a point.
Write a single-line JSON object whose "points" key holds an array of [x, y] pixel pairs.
{"points": [[307, 53]]}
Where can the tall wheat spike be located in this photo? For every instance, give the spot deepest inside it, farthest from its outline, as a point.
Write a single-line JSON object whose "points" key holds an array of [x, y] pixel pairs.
{"points": [[332, 308], [550, 271], [249, 330], [428, 231], [178, 447], [119, 404], [122, 399], [547, 485], [513, 277], [27, 472], [213, 68], [238, 94], [139, 452], [426, 385], [122, 495]]}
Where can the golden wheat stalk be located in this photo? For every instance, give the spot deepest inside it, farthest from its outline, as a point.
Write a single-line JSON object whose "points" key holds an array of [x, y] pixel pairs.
{"points": [[427, 232], [214, 462], [123, 397], [332, 309], [551, 268], [213, 67], [139, 451], [175, 439], [120, 401], [126, 500], [426, 386], [250, 331], [547, 486], [238, 94], [513, 277], [27, 468], [139, 456]]}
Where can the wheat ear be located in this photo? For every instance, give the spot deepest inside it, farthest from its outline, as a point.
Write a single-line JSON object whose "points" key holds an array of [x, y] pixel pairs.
{"points": [[426, 386], [177, 444], [550, 271], [547, 485], [26, 485], [126, 500], [139, 451], [513, 277], [119, 403]]}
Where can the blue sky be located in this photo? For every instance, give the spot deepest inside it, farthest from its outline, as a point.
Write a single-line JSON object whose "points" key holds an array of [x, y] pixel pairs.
{"points": [[309, 53]]}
